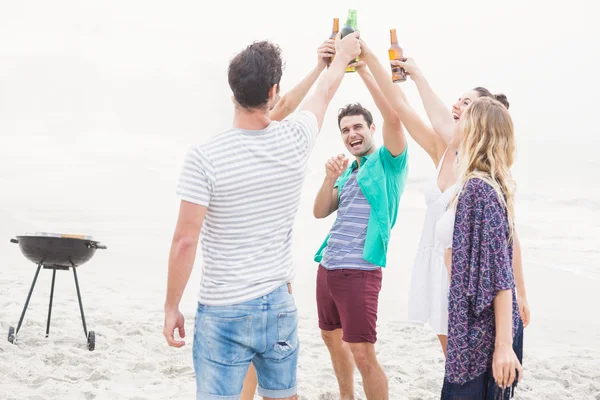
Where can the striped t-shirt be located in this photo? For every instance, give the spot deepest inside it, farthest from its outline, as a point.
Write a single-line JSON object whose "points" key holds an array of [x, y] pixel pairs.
{"points": [[251, 182], [349, 231]]}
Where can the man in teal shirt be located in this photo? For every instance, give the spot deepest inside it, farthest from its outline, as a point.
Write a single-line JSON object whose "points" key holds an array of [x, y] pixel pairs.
{"points": [[366, 196]]}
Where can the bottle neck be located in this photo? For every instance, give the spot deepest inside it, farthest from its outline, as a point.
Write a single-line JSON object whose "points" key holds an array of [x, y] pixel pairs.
{"points": [[351, 20], [393, 37], [336, 25]]}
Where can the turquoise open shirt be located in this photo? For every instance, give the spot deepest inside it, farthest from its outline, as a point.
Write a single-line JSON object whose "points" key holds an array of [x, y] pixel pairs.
{"points": [[382, 178]]}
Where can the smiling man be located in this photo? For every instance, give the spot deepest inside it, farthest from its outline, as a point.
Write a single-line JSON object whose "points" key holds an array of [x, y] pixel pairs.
{"points": [[366, 196]]}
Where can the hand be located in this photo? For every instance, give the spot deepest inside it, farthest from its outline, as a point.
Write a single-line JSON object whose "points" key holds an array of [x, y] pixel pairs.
{"points": [[524, 310], [505, 365], [335, 166], [174, 320], [347, 48], [324, 53], [409, 66], [365, 51], [360, 66]]}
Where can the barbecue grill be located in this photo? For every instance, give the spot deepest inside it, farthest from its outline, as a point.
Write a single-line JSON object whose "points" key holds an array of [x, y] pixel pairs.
{"points": [[56, 252]]}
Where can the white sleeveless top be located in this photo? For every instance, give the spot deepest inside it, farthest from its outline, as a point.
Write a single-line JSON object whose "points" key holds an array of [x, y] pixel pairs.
{"points": [[444, 229], [428, 293]]}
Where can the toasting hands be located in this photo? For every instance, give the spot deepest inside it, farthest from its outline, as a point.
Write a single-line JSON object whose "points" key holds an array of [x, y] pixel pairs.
{"points": [[409, 65], [347, 48], [324, 53]]}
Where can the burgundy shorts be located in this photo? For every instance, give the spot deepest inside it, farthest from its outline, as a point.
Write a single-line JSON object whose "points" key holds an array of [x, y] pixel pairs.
{"points": [[348, 299]]}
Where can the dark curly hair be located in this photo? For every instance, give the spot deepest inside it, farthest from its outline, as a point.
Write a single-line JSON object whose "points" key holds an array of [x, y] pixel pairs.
{"points": [[355, 109], [483, 92], [253, 72]]}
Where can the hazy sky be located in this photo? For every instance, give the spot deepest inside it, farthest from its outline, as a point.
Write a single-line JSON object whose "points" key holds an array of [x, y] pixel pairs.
{"points": [[157, 67], [129, 78]]}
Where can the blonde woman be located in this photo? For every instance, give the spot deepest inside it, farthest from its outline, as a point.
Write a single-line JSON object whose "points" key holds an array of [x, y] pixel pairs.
{"points": [[485, 331], [428, 293]]}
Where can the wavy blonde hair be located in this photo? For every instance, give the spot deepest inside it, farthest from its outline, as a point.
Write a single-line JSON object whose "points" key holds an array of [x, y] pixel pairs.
{"points": [[487, 150]]}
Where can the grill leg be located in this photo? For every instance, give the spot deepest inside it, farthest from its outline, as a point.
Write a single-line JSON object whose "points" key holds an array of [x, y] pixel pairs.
{"points": [[80, 304], [50, 305], [28, 297]]}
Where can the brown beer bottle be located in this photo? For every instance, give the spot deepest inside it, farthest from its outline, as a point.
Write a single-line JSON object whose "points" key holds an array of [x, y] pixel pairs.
{"points": [[395, 52], [334, 32]]}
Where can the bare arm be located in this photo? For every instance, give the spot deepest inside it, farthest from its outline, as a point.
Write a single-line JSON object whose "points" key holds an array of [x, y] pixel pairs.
{"points": [[183, 251], [326, 201], [290, 101], [424, 135], [503, 316], [439, 114], [518, 268], [520, 283], [505, 364], [181, 262], [346, 49], [393, 134]]}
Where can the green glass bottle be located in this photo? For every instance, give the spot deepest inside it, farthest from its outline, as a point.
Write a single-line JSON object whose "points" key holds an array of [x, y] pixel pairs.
{"points": [[349, 27]]}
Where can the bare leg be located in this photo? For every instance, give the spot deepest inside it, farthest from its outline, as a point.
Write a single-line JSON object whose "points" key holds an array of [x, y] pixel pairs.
{"points": [[374, 379], [448, 261], [343, 362], [444, 342], [250, 384]]}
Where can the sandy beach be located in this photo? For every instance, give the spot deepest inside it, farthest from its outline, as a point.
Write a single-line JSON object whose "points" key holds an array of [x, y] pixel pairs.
{"points": [[123, 288]]}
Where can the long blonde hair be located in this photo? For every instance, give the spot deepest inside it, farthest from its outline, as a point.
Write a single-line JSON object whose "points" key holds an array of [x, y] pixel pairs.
{"points": [[487, 150]]}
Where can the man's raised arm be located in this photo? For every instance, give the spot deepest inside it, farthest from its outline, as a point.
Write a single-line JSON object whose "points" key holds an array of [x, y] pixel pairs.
{"points": [[346, 50], [393, 134], [290, 101]]}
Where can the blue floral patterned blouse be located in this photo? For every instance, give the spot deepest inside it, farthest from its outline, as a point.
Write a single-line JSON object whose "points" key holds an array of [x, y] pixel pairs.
{"points": [[481, 266]]}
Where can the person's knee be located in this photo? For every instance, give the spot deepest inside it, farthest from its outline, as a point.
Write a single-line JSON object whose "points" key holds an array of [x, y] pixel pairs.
{"points": [[332, 338], [364, 356]]}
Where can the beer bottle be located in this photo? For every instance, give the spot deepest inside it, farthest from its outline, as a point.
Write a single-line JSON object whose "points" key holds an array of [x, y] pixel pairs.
{"points": [[395, 52], [350, 27], [334, 32]]}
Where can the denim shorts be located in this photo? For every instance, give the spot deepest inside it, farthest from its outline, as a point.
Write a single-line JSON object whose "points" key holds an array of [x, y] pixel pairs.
{"points": [[227, 339]]}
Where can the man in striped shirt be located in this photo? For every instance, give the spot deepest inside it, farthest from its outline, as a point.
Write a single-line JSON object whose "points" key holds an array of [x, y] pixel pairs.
{"points": [[239, 195], [366, 195]]}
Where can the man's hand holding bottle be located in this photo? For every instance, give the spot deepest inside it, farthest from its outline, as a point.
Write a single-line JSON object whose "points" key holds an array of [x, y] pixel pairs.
{"points": [[348, 48]]}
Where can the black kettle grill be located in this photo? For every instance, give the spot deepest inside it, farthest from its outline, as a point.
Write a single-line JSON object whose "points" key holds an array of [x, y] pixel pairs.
{"points": [[56, 252]]}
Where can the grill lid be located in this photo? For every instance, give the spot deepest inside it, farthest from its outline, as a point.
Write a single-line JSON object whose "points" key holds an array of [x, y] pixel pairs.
{"points": [[58, 235]]}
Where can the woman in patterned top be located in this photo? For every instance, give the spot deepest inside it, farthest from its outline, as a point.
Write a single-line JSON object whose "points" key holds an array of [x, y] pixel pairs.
{"points": [[485, 333]]}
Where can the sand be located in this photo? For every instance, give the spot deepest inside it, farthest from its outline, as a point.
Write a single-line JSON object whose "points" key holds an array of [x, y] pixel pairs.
{"points": [[123, 291]]}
